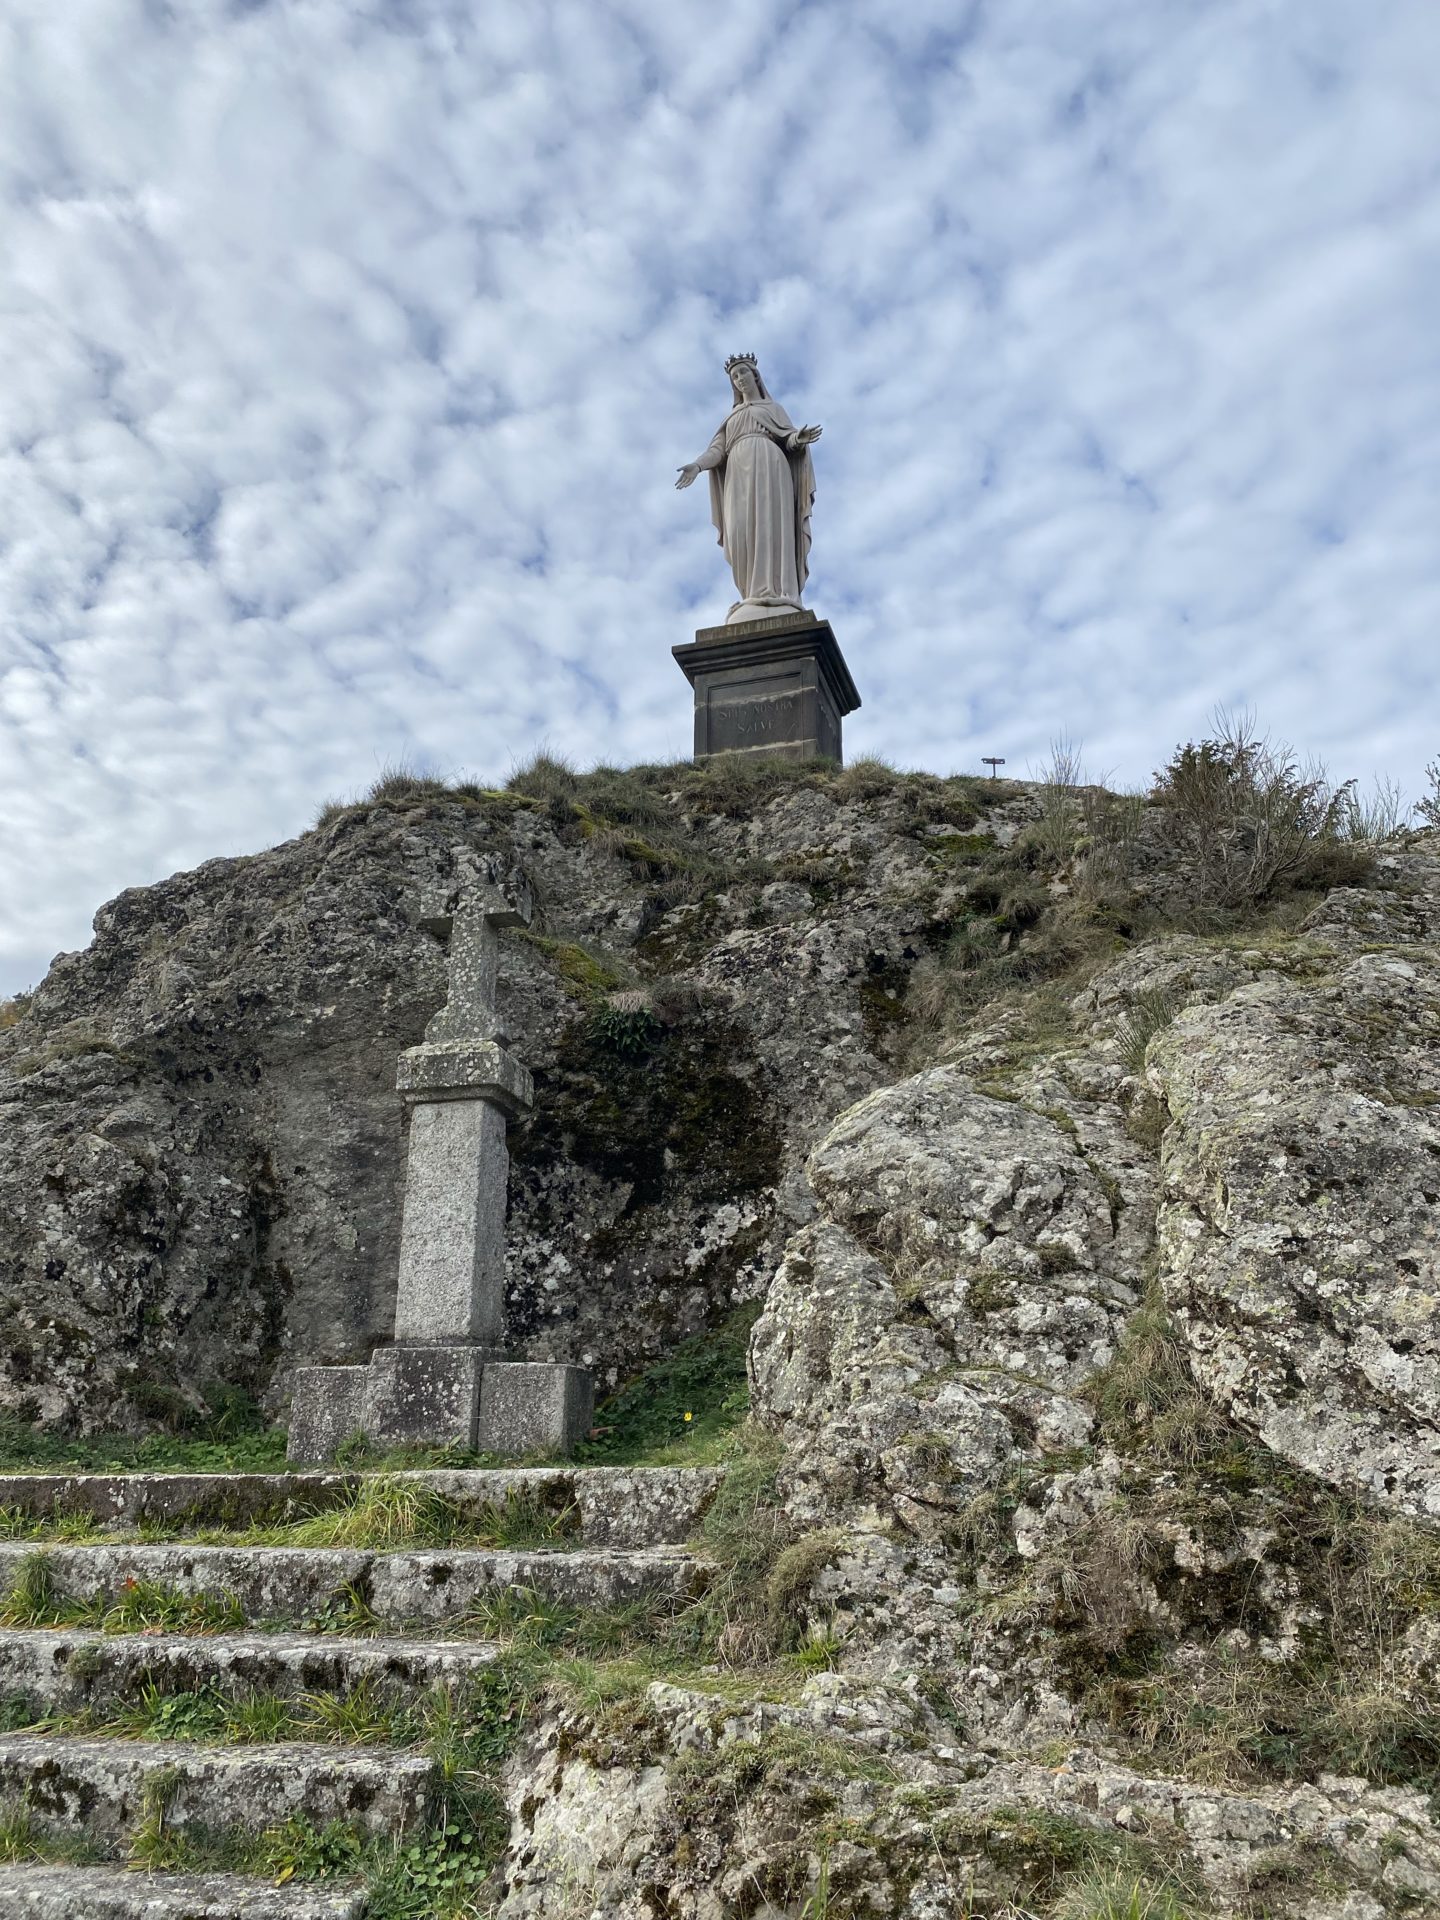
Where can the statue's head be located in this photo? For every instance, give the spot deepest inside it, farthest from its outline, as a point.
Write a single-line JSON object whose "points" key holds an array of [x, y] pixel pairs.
{"points": [[745, 378]]}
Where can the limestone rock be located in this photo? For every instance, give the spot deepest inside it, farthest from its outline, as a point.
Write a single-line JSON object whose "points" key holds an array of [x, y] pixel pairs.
{"points": [[716, 1802], [966, 1283], [1298, 1225]]}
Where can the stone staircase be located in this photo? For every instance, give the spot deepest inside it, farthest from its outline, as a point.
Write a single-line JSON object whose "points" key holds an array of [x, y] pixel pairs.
{"points": [[316, 1663]]}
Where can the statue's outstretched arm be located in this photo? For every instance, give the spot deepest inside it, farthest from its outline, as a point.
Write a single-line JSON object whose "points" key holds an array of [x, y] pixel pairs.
{"points": [[713, 456]]}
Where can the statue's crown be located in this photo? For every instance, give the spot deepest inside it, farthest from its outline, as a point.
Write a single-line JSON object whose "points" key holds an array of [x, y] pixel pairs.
{"points": [[741, 360]]}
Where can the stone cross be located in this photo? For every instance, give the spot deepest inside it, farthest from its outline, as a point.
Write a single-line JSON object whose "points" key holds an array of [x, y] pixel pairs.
{"points": [[472, 918], [443, 1380], [460, 1085]]}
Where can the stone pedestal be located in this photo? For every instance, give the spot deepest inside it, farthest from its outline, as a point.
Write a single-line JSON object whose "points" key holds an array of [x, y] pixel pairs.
{"points": [[423, 1396], [778, 689]]}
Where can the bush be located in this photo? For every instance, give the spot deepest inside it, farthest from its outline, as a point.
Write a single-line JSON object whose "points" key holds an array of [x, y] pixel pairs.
{"points": [[1057, 788], [1428, 808], [13, 1011], [1248, 817]]}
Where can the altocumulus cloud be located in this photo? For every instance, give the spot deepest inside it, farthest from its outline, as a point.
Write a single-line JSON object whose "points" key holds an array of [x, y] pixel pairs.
{"points": [[350, 350]]}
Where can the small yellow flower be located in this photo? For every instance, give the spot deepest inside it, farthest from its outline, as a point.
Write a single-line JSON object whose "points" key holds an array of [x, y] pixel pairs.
{"points": [[688, 1418]]}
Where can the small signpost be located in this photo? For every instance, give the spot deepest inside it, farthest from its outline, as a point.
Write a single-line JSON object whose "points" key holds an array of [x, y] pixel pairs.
{"points": [[993, 761]]}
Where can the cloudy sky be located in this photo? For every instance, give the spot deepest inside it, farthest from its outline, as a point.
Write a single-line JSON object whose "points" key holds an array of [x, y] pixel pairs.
{"points": [[350, 348]]}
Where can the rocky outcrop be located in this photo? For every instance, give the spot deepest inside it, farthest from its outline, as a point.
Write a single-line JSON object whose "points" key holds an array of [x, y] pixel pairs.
{"points": [[1301, 1206], [1100, 1372], [962, 1288], [1096, 1339], [1255, 1126], [200, 1144], [861, 1798]]}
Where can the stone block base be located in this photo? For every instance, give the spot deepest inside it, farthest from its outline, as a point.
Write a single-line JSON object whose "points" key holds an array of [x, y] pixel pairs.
{"points": [[777, 689], [534, 1407], [440, 1397], [423, 1396], [327, 1406]]}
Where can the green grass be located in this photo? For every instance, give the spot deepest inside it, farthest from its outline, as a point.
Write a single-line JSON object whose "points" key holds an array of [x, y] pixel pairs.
{"points": [[439, 1873], [685, 1408], [30, 1449], [466, 1728], [1121, 1896], [22, 1838], [389, 1514], [16, 1524], [31, 1600], [139, 1606]]}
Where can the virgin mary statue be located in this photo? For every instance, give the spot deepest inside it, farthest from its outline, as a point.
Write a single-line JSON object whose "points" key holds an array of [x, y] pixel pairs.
{"points": [[762, 484]]}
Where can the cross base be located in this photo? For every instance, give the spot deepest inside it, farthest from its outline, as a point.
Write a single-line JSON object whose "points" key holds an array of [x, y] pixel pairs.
{"points": [[441, 1396]]}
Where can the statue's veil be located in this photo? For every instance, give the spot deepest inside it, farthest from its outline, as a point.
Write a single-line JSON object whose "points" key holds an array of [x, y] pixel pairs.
{"points": [[760, 383]]}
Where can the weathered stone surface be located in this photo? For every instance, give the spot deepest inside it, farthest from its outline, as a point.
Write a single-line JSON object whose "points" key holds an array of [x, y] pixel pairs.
{"points": [[452, 1243], [327, 1407], [35, 1892], [1298, 1226], [423, 1394], [289, 1584], [968, 1281], [923, 1813], [473, 914], [464, 1069], [98, 1787], [533, 1407], [870, 1411], [198, 1499]]}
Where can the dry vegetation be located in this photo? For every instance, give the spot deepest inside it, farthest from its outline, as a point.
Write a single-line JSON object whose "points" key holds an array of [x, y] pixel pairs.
{"points": [[1235, 835]]}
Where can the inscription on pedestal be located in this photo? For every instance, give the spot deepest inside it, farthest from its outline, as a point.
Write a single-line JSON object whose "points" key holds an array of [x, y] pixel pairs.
{"points": [[751, 715]]}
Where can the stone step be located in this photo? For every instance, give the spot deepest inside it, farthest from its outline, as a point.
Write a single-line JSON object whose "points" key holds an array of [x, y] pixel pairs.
{"points": [[68, 1669], [616, 1506], [293, 1585], [104, 1788], [35, 1892]]}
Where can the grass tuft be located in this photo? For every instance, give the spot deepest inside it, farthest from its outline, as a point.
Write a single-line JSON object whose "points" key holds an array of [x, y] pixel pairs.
{"points": [[401, 780], [386, 1512], [1151, 1011], [1108, 1895]]}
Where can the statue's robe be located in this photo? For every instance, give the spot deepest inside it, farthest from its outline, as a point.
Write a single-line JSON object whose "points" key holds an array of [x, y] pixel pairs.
{"points": [[760, 500]]}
